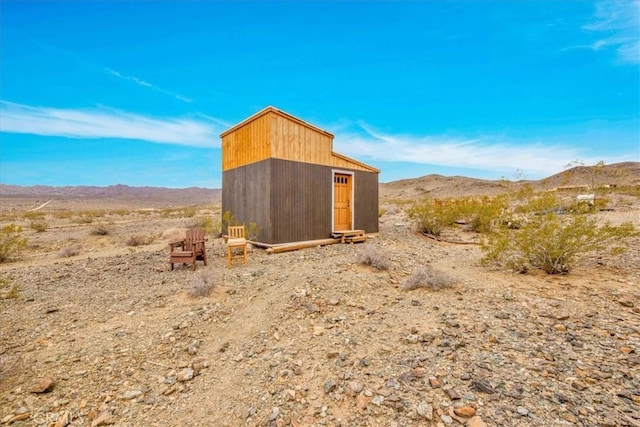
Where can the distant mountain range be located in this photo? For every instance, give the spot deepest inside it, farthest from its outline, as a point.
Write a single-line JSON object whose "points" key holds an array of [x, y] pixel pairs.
{"points": [[435, 185], [186, 196]]}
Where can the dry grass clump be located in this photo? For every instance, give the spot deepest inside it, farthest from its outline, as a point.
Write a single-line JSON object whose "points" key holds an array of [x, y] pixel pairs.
{"points": [[428, 277], [203, 283], [39, 225], [70, 251], [139, 240], [102, 229], [8, 290], [374, 257]]}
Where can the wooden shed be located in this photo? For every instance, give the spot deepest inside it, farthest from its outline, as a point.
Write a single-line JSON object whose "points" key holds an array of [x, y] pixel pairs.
{"points": [[282, 173]]}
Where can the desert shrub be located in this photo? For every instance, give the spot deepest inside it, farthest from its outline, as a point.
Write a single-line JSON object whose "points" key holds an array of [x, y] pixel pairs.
{"points": [[252, 231], [12, 243], [228, 220], [189, 212], [552, 242], [374, 257], [429, 216], [82, 219], [429, 278], [202, 283], [69, 251], [209, 224], [7, 289], [102, 229], [139, 240], [39, 226], [381, 212]]}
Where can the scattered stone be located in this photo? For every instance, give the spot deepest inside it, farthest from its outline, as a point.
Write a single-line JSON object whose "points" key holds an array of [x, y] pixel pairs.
{"points": [[626, 301], [476, 421], [15, 418], [131, 394], [435, 382], [483, 386], [521, 410], [446, 419], [104, 419], [44, 385], [185, 375], [377, 400], [425, 410], [465, 411], [329, 386]]}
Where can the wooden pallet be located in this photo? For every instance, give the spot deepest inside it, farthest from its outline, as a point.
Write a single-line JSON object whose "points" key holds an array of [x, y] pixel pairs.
{"points": [[350, 236]]}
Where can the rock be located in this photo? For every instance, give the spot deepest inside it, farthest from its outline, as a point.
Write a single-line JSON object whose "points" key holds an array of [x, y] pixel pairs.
{"points": [[465, 411], [476, 422], [483, 386], [131, 394], [185, 375], [377, 400], [412, 339], [626, 301], [43, 385], [446, 419], [104, 419], [425, 410], [361, 402], [20, 417], [435, 382], [450, 391], [329, 386], [521, 410], [355, 386], [560, 327]]}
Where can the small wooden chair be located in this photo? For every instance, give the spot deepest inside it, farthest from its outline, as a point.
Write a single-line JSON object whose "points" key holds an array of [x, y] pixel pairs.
{"points": [[192, 248], [236, 240]]}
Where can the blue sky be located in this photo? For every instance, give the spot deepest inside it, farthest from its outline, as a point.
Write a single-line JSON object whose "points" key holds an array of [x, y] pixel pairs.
{"points": [[108, 92]]}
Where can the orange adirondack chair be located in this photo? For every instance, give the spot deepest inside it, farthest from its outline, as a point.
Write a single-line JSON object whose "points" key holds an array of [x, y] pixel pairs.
{"points": [[189, 250]]}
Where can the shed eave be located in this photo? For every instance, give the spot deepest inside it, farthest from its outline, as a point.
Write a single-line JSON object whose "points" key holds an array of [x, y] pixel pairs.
{"points": [[350, 160]]}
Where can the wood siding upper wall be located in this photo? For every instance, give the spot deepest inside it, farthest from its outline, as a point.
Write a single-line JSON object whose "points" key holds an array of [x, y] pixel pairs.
{"points": [[247, 144], [272, 133], [294, 141]]}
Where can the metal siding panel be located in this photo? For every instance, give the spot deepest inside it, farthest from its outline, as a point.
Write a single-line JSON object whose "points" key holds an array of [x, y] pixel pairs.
{"points": [[300, 201], [245, 193], [366, 203]]}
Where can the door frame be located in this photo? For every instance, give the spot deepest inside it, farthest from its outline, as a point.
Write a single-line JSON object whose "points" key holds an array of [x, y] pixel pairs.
{"points": [[333, 196]]}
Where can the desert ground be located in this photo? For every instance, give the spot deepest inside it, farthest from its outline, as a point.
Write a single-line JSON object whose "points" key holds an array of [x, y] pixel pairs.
{"points": [[103, 333]]}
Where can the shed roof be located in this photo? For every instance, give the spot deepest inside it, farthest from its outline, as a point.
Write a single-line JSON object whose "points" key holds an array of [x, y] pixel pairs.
{"points": [[271, 109]]}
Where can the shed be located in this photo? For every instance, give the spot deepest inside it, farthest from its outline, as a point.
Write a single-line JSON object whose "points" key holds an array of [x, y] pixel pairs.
{"points": [[282, 173]]}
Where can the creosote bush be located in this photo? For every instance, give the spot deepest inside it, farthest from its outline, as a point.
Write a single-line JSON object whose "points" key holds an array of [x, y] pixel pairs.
{"points": [[203, 283], [12, 243], [429, 278], [553, 242], [374, 257]]}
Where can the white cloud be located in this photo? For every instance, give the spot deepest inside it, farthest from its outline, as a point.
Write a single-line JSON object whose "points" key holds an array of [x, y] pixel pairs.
{"points": [[619, 22], [143, 83], [533, 160], [105, 123]]}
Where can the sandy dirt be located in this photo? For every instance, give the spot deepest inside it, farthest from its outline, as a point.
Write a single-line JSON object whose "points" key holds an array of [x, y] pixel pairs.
{"points": [[110, 336]]}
